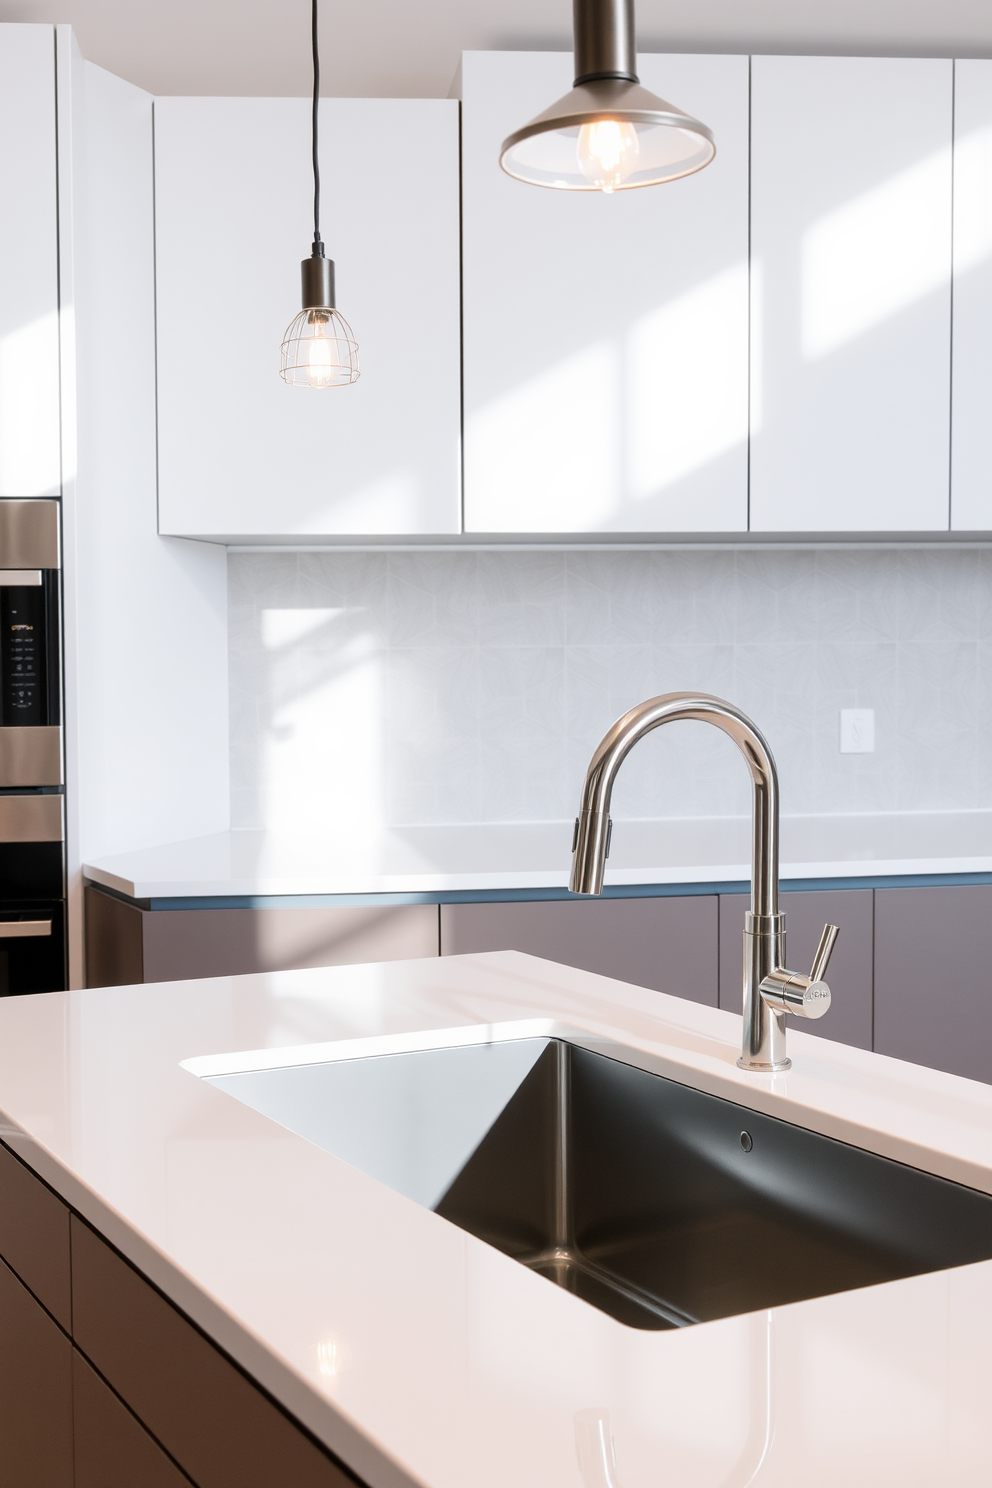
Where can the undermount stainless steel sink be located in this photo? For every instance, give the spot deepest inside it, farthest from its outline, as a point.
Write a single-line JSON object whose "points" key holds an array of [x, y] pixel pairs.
{"points": [[655, 1202]]}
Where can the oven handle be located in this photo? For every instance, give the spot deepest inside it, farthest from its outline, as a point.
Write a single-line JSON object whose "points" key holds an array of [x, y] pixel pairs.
{"points": [[20, 928]]}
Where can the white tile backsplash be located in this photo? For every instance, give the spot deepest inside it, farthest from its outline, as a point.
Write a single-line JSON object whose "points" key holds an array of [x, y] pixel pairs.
{"points": [[391, 689]]}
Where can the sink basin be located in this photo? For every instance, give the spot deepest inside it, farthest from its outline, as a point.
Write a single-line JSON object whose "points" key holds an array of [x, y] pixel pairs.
{"points": [[655, 1202]]}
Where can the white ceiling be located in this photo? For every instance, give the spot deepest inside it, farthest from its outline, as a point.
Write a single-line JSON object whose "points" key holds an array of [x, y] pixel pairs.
{"points": [[405, 48]]}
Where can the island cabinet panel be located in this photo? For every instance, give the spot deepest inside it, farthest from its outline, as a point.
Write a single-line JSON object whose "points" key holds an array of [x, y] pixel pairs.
{"points": [[111, 1448], [971, 428], [605, 336], [667, 944], [241, 453], [34, 1236], [30, 449], [933, 994], [125, 944], [211, 1419], [850, 976], [35, 1392], [851, 293]]}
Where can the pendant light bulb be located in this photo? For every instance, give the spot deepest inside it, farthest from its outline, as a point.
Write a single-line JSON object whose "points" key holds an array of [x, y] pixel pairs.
{"points": [[607, 152], [319, 349], [608, 134]]}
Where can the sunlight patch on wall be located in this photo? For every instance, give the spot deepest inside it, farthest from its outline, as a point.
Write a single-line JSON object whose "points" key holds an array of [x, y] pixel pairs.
{"points": [[286, 627], [685, 391], [323, 767], [876, 255]]}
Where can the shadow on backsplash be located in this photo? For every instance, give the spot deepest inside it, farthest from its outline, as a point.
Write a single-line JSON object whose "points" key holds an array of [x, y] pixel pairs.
{"points": [[388, 689]]}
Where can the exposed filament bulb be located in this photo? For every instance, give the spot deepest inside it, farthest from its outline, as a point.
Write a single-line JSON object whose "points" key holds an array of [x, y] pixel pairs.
{"points": [[607, 152], [319, 353]]}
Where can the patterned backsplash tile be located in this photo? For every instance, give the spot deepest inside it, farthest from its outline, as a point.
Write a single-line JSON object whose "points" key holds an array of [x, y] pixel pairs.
{"points": [[376, 689]]}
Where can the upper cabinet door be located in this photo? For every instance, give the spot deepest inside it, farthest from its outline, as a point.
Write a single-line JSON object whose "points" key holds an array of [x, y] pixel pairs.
{"points": [[605, 337], [30, 451], [242, 454], [851, 273], [971, 424]]}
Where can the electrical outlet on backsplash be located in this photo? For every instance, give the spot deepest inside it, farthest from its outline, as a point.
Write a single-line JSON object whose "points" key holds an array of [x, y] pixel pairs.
{"points": [[455, 687]]}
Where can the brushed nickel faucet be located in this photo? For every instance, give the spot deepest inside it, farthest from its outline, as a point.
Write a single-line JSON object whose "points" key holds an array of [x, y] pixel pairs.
{"points": [[770, 990]]}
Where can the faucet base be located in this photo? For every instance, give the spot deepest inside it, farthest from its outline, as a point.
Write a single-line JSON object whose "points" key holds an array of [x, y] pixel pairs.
{"points": [[761, 1067]]}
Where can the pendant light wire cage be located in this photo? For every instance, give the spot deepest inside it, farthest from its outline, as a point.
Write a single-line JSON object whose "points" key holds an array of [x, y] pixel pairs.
{"points": [[319, 349]]}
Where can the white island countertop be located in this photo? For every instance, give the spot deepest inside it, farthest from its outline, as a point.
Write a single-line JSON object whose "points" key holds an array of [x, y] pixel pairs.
{"points": [[536, 855], [418, 1353]]}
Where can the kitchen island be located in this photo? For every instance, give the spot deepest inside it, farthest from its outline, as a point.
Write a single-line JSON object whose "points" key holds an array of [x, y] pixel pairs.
{"points": [[417, 1354]]}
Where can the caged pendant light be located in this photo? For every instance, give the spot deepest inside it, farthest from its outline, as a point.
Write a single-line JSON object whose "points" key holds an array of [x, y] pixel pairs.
{"points": [[608, 133], [319, 350]]}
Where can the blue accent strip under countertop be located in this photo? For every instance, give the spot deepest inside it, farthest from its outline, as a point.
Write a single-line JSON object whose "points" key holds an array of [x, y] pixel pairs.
{"points": [[517, 896]]}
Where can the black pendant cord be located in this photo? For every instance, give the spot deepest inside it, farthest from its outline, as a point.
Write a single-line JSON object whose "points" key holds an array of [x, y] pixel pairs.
{"points": [[318, 247]]}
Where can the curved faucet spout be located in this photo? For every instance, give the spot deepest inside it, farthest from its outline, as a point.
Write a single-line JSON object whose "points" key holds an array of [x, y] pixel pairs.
{"points": [[592, 835], [770, 989]]}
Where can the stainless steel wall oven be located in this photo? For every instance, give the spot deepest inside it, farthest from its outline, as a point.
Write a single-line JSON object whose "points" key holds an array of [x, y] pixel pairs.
{"points": [[32, 817]]}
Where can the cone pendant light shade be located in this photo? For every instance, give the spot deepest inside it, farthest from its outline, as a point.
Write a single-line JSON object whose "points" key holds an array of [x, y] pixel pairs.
{"points": [[608, 133], [319, 349]]}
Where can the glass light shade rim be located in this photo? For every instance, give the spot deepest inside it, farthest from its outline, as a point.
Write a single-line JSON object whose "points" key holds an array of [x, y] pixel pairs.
{"points": [[658, 177]]}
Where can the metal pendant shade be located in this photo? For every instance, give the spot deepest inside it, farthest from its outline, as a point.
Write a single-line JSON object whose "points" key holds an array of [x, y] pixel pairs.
{"points": [[609, 133]]}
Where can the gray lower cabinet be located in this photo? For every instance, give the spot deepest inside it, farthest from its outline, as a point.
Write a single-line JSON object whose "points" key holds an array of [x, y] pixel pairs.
{"points": [[111, 1447], [933, 986], [667, 944], [35, 1392], [849, 1020], [126, 944]]}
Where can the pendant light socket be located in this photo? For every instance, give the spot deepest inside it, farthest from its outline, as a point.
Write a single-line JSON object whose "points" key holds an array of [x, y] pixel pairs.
{"points": [[317, 275], [604, 41]]}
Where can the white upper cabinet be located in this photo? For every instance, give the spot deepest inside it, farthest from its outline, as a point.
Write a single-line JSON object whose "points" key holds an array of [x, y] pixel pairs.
{"points": [[605, 337], [851, 276], [971, 424], [30, 454], [242, 454]]}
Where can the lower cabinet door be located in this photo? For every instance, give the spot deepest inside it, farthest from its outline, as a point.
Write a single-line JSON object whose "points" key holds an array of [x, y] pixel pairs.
{"points": [[35, 1392], [112, 1448], [210, 1418], [667, 944], [933, 999], [849, 1020]]}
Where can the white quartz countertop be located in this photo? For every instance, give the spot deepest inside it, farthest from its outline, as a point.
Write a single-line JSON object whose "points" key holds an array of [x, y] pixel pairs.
{"points": [[500, 856], [423, 1356]]}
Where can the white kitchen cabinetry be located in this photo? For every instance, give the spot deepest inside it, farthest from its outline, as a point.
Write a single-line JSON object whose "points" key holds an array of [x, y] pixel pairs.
{"points": [[242, 455], [30, 456], [605, 337], [851, 285], [971, 425]]}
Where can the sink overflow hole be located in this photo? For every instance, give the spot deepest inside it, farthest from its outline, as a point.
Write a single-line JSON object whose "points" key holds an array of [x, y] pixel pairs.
{"points": [[746, 1142]]}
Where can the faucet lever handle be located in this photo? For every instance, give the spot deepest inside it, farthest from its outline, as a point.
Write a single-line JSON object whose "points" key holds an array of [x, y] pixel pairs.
{"points": [[823, 953]]}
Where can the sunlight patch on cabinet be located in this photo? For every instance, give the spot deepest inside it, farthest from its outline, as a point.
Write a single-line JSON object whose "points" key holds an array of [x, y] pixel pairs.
{"points": [[876, 255]]}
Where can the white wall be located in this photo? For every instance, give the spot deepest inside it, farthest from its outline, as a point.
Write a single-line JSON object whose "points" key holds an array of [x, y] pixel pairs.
{"points": [[145, 622], [372, 689]]}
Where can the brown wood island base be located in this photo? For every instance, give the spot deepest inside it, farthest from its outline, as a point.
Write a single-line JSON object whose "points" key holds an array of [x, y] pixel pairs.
{"points": [[104, 1383]]}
